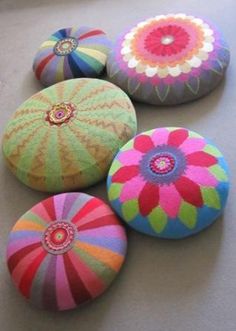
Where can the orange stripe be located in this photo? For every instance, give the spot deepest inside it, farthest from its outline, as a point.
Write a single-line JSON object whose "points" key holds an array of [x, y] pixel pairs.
{"points": [[28, 225], [113, 260]]}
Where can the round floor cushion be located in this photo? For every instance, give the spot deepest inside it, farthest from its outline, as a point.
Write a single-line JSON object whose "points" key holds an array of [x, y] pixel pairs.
{"points": [[169, 183], [71, 53], [169, 60], [65, 137], [66, 251]]}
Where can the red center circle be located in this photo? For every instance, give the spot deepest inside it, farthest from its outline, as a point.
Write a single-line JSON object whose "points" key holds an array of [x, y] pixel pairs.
{"points": [[162, 164], [58, 237]]}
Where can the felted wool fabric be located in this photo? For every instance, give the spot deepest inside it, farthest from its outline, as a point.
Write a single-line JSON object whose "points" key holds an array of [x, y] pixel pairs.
{"points": [[66, 251], [65, 136], [169, 59], [168, 182], [71, 53]]}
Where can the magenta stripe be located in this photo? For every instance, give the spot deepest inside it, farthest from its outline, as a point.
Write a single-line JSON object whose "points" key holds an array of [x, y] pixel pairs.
{"points": [[59, 202], [64, 296]]}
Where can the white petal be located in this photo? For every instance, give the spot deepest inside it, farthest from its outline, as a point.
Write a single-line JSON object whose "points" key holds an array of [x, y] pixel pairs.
{"points": [[208, 32], [194, 62], [129, 35], [125, 50], [163, 72], [150, 72], [160, 17], [141, 24], [180, 15], [132, 62], [198, 21], [207, 47], [174, 71]]}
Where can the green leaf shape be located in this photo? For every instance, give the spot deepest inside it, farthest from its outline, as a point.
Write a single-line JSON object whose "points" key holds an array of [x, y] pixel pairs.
{"points": [[211, 197], [128, 145], [219, 173], [188, 215], [130, 209], [114, 167], [114, 191], [157, 219], [212, 150], [193, 134]]}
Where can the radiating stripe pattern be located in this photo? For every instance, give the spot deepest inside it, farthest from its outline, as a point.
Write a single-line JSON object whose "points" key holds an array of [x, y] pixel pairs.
{"points": [[65, 137], [66, 251], [71, 53]]}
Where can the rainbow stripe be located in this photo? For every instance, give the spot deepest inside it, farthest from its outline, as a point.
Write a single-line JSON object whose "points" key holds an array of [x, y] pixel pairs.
{"points": [[63, 278], [71, 53]]}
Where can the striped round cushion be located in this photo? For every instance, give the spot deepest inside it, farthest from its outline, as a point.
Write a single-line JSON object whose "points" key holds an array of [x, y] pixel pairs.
{"points": [[71, 53], [65, 137], [66, 251]]}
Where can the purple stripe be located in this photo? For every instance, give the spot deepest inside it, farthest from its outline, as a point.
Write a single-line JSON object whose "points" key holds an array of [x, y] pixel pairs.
{"points": [[49, 288], [98, 41], [113, 244], [67, 70], [24, 234], [59, 202], [70, 200], [49, 71]]}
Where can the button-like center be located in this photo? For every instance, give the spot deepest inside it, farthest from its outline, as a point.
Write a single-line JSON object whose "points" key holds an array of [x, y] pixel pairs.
{"points": [[162, 164], [167, 40], [60, 113], [65, 46], [58, 237]]}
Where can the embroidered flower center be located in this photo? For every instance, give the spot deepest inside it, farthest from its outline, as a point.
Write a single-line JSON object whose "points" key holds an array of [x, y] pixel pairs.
{"points": [[60, 113], [65, 46], [162, 164], [167, 40], [58, 237]]}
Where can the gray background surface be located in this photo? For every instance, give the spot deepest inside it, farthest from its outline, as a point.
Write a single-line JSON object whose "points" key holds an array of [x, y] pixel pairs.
{"points": [[188, 285]]}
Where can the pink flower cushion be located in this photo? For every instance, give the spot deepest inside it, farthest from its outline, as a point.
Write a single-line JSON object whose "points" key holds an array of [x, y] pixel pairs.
{"points": [[169, 59], [168, 182], [66, 251]]}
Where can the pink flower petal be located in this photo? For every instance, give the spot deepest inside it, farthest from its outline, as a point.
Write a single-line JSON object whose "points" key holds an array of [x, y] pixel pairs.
{"points": [[132, 189], [130, 157], [201, 176], [160, 136], [192, 145], [170, 200]]}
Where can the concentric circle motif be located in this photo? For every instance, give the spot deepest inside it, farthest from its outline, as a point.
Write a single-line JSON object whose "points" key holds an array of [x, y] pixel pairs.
{"points": [[66, 136], [169, 59], [168, 182], [58, 237], [65, 46], [66, 251], [71, 53], [60, 113]]}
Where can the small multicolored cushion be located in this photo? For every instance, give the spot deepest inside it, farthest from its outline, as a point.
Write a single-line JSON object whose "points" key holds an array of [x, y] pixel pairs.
{"points": [[169, 60], [66, 251], [71, 53], [65, 137], [169, 183]]}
